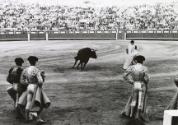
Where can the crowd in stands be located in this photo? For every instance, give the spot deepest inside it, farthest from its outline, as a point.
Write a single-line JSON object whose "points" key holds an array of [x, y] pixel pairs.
{"points": [[36, 17]]}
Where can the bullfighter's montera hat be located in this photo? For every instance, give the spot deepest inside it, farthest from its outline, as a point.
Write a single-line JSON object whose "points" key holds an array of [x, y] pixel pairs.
{"points": [[19, 60], [32, 58], [139, 58]]}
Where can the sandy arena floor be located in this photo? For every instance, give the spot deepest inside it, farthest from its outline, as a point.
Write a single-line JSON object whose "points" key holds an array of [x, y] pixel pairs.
{"points": [[97, 95]]}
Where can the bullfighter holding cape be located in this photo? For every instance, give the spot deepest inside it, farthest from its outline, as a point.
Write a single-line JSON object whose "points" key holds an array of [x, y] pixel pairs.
{"points": [[34, 98], [137, 76]]}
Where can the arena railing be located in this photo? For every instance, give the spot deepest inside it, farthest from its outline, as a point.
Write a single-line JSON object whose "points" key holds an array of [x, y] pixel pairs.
{"points": [[152, 31], [152, 34], [82, 34], [13, 35], [87, 34]]}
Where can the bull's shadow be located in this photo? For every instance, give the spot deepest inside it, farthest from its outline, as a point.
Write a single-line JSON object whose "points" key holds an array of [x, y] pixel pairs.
{"points": [[61, 69], [134, 122], [91, 68], [114, 69]]}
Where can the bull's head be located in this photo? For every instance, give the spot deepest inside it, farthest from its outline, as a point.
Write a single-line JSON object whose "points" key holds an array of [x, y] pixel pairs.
{"points": [[93, 53]]}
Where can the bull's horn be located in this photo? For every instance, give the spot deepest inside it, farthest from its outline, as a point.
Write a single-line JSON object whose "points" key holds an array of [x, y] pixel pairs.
{"points": [[94, 50]]}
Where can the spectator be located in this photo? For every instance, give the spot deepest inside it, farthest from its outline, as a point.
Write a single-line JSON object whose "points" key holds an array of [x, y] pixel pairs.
{"points": [[35, 17]]}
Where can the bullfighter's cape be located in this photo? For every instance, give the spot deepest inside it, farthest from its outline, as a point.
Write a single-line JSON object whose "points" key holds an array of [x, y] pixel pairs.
{"points": [[32, 75], [12, 93], [40, 100], [137, 73], [127, 109]]}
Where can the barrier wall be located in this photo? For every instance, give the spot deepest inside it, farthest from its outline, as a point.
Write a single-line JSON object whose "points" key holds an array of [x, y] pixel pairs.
{"points": [[87, 35], [13, 36], [153, 35], [83, 35], [37, 35]]}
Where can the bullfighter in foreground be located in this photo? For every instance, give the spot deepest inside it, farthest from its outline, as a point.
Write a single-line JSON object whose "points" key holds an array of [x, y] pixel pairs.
{"points": [[14, 78], [137, 76], [34, 98]]}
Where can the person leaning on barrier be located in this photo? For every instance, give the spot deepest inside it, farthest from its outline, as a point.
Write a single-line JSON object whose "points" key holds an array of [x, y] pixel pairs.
{"points": [[14, 78], [137, 76], [34, 99]]}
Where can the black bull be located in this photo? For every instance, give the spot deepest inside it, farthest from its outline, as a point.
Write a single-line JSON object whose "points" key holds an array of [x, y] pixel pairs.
{"points": [[83, 56]]}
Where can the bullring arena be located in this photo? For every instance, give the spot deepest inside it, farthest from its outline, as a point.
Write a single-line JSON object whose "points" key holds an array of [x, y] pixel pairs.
{"points": [[97, 95]]}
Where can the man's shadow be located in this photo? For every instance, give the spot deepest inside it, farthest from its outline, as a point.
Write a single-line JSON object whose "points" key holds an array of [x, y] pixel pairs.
{"points": [[134, 122]]}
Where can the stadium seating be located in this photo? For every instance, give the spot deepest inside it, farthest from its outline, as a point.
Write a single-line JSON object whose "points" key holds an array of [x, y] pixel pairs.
{"points": [[36, 17]]}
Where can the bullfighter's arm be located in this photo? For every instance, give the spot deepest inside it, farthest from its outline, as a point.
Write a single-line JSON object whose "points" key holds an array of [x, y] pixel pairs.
{"points": [[127, 76], [23, 79], [40, 79], [146, 77], [8, 76]]}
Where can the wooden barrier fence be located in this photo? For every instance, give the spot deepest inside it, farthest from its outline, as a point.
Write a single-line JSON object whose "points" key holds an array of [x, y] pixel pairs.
{"points": [[89, 34]]}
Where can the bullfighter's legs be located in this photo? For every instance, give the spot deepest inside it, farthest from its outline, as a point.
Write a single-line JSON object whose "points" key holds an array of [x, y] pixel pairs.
{"points": [[17, 99], [30, 92], [39, 117], [27, 108], [15, 87], [139, 107], [132, 111], [140, 102], [133, 103], [29, 101], [39, 112], [20, 111]]}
